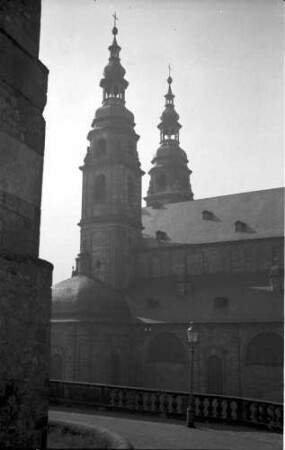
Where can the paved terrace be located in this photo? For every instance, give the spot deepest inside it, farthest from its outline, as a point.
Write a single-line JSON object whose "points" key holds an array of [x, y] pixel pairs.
{"points": [[152, 433]]}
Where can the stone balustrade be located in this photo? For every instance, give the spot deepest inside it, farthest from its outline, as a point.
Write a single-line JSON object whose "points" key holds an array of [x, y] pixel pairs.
{"points": [[210, 407]]}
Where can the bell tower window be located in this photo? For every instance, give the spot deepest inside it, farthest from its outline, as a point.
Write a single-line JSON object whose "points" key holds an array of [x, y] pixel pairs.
{"points": [[101, 148], [161, 182], [100, 188]]}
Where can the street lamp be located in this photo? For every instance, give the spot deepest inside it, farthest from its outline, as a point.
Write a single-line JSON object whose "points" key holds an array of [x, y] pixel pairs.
{"points": [[192, 338]]}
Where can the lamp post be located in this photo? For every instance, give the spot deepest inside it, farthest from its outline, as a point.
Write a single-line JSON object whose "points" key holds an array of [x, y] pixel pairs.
{"points": [[192, 339]]}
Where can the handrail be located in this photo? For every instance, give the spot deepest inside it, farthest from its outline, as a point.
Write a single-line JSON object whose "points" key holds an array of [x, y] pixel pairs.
{"points": [[229, 409]]}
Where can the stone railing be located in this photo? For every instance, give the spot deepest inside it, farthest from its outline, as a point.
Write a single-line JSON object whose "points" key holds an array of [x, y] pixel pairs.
{"points": [[210, 407]]}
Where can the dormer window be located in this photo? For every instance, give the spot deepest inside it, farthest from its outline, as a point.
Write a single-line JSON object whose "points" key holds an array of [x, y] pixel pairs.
{"points": [[161, 236], [207, 215], [241, 227]]}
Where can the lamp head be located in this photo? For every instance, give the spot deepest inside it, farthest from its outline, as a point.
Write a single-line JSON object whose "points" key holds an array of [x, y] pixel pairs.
{"points": [[192, 334]]}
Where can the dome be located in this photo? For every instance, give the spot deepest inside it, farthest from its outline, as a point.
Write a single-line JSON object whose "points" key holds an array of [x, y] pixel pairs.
{"points": [[171, 150], [169, 115], [113, 110], [82, 296], [114, 71]]}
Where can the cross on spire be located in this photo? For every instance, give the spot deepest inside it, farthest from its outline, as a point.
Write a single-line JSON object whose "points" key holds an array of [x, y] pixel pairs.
{"points": [[169, 70], [115, 18]]}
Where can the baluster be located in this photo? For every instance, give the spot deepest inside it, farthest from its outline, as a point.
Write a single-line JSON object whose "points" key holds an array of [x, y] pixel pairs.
{"points": [[124, 398], [206, 403], [140, 401], [270, 417], [219, 408], [116, 398], [198, 406], [184, 403], [120, 395], [180, 410], [232, 410], [261, 416], [111, 396], [173, 404], [214, 407], [157, 402], [211, 407], [238, 410], [227, 409], [253, 410], [224, 409], [132, 401], [164, 404], [148, 401], [278, 417], [246, 412]]}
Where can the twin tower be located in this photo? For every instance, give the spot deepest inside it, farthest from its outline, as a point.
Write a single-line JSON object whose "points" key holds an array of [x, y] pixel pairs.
{"points": [[111, 219]]}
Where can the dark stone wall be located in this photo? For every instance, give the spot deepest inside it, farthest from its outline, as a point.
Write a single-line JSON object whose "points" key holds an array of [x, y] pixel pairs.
{"points": [[227, 344], [242, 257], [25, 280], [24, 351], [92, 352], [23, 85], [157, 356]]}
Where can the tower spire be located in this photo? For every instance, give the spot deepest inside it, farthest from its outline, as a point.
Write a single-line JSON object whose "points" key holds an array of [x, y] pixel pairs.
{"points": [[115, 18], [111, 219], [114, 83], [169, 125], [169, 175]]}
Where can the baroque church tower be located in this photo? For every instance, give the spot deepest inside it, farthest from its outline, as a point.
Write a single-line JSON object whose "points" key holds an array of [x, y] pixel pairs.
{"points": [[111, 228], [170, 175]]}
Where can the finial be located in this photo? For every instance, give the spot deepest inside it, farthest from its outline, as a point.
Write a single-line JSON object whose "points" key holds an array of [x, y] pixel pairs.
{"points": [[115, 29], [169, 79]]}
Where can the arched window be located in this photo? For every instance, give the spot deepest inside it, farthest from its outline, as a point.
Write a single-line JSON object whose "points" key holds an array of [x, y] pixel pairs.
{"points": [[101, 147], [100, 188], [56, 367], [215, 375], [131, 195], [161, 182], [166, 348], [265, 349]]}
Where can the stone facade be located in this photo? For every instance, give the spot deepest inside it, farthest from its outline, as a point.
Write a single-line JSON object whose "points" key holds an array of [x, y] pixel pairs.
{"points": [[92, 352], [242, 257], [221, 365], [176, 260], [24, 279]]}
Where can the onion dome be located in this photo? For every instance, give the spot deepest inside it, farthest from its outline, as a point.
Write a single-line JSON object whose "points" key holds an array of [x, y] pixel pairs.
{"points": [[169, 175], [82, 297], [114, 83], [169, 125]]}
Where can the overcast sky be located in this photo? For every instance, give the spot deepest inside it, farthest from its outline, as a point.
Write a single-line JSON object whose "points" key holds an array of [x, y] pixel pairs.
{"points": [[227, 69]]}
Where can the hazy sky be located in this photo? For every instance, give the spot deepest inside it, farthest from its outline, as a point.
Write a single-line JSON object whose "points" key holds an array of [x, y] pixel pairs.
{"points": [[227, 69]]}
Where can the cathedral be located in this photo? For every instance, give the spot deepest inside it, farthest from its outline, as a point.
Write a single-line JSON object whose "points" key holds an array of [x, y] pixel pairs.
{"points": [[143, 273]]}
